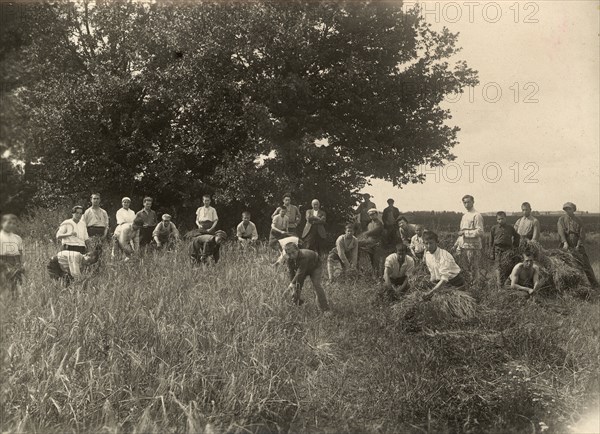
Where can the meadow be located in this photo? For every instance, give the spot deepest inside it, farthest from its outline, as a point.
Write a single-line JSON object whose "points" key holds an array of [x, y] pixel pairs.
{"points": [[156, 345]]}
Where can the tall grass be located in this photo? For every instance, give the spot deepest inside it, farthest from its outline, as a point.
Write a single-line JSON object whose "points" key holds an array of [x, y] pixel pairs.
{"points": [[157, 345]]}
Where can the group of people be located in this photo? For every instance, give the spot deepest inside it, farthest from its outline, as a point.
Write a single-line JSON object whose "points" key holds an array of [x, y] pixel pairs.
{"points": [[393, 246]]}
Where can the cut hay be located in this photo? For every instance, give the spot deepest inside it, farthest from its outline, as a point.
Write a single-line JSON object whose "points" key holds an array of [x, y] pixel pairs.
{"points": [[446, 306]]}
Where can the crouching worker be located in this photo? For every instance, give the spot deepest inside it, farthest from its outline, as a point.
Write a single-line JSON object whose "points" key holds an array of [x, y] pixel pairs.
{"points": [[207, 246], [302, 263], [283, 257], [11, 255], [246, 231], [442, 267], [344, 254], [525, 275], [128, 236], [398, 267], [165, 233], [67, 265]]}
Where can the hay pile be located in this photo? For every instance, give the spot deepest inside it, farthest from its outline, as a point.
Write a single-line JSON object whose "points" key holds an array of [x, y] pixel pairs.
{"points": [[447, 305]]}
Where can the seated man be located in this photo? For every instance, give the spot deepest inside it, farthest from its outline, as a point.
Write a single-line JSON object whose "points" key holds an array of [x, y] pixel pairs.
{"points": [[345, 252], [128, 238], [11, 255], [525, 275], [246, 230], [442, 267], [398, 267], [67, 265], [302, 263], [279, 227], [207, 246], [165, 233]]}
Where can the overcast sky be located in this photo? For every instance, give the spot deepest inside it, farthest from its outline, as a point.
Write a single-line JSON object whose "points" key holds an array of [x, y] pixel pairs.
{"points": [[555, 62]]}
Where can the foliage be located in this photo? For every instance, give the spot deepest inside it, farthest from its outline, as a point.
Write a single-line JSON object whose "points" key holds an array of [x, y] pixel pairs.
{"points": [[247, 100]]}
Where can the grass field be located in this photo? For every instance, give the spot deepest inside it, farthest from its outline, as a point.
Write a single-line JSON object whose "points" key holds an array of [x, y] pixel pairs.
{"points": [[155, 345]]}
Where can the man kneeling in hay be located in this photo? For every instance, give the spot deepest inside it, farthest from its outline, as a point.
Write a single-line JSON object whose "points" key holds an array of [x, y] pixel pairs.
{"points": [[398, 267], [525, 275], [442, 267]]}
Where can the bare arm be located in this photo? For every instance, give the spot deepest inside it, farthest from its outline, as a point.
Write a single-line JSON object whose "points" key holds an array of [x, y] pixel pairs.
{"points": [[536, 230]]}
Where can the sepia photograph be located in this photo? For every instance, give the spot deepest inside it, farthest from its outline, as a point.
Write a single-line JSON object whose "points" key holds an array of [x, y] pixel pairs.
{"points": [[299, 216]]}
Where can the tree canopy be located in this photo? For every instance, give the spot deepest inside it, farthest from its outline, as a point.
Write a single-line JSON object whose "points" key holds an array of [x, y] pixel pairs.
{"points": [[243, 100]]}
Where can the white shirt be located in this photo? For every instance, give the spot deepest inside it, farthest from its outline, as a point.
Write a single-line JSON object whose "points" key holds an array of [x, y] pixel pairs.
{"points": [[10, 244], [80, 232], [472, 224], [125, 216], [206, 214], [441, 265], [70, 262], [417, 244], [397, 270], [249, 231], [95, 217]]}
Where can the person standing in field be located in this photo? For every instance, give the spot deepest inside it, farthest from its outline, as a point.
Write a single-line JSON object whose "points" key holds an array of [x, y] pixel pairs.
{"points": [[417, 245], [148, 215], [124, 215], [528, 226], [207, 246], [471, 231], [72, 233], [246, 231], [443, 269], [279, 227], [525, 276], [67, 266], [572, 236], [398, 267], [389, 217], [165, 233], [344, 254], [293, 213], [206, 217], [128, 238], [314, 231], [11, 254], [370, 242], [363, 211], [503, 238], [96, 219], [303, 263]]}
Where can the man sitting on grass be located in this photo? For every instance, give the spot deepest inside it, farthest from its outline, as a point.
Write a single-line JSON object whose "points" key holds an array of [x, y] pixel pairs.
{"points": [[11, 254], [302, 263], [525, 275], [207, 246], [441, 265], [67, 265], [246, 231], [345, 252], [398, 267]]}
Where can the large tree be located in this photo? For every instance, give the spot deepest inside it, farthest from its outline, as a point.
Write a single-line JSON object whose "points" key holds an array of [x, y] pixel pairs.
{"points": [[243, 100]]}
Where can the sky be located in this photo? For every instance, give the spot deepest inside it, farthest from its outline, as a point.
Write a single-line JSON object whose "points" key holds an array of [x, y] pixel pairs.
{"points": [[540, 143]]}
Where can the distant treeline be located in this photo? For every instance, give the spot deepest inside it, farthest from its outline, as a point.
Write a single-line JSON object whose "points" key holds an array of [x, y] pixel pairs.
{"points": [[449, 221]]}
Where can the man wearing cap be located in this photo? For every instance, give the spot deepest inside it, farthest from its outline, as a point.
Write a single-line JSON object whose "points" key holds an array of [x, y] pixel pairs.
{"points": [[206, 217], [370, 242], [165, 233], [390, 215], [471, 231], [528, 226], [363, 211], [96, 219], [72, 233], [206, 246], [572, 236], [149, 217]]}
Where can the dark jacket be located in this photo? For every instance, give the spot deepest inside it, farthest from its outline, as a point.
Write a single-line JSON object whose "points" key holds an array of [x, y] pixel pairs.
{"points": [[204, 246], [310, 220], [304, 265]]}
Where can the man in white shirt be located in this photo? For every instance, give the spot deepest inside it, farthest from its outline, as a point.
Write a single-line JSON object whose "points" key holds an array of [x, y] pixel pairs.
{"points": [[11, 254], [96, 219], [279, 227], [246, 231], [528, 226], [124, 215], [293, 213], [471, 231], [442, 267], [72, 233], [417, 245], [398, 267], [206, 217], [68, 265], [344, 255]]}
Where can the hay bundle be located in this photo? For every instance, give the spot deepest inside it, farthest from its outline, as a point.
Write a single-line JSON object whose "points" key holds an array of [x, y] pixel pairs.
{"points": [[444, 307]]}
